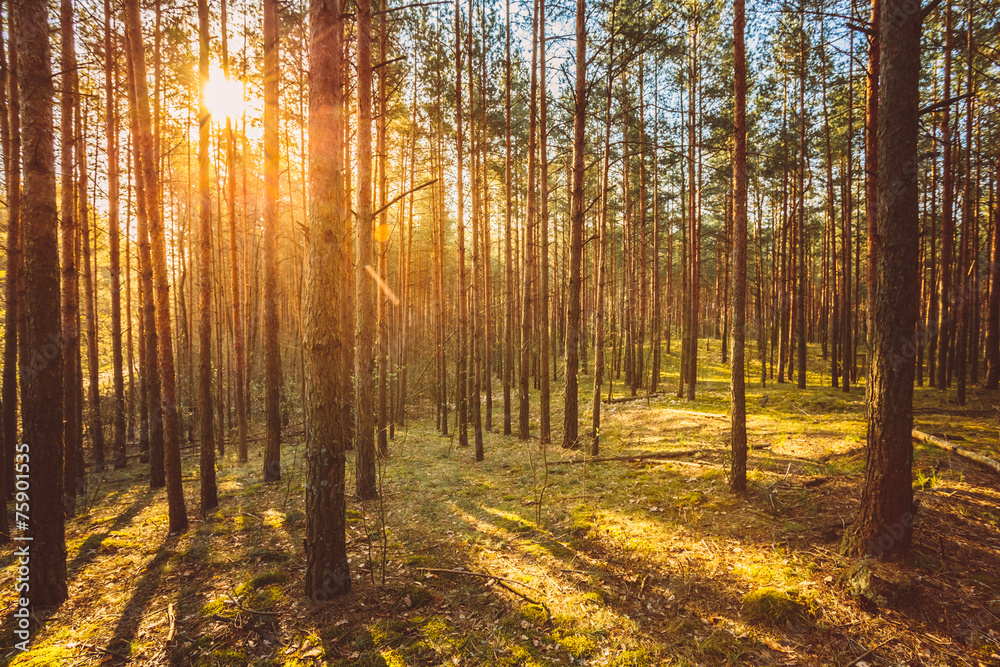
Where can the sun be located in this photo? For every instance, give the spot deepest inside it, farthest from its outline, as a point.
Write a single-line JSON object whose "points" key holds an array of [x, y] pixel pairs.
{"points": [[223, 96]]}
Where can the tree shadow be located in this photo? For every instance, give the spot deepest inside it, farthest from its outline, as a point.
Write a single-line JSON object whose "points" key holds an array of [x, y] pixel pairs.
{"points": [[88, 551], [128, 622]]}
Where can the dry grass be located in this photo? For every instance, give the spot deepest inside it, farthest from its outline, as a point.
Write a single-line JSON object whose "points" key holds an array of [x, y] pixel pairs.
{"points": [[640, 563]]}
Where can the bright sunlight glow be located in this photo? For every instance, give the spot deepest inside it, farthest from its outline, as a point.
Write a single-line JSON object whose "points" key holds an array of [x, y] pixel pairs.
{"points": [[223, 96]]}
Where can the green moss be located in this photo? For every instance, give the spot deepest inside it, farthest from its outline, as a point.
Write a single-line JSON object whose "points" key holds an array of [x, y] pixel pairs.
{"points": [[218, 606], [223, 657], [384, 632], [578, 646], [392, 659], [534, 613], [633, 658], [46, 655], [772, 605]]}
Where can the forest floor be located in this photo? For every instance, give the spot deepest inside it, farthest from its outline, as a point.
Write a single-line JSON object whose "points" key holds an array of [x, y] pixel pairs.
{"points": [[627, 562]]}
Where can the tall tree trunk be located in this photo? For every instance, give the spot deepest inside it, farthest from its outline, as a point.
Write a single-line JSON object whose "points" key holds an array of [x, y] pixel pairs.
{"points": [[42, 402], [7, 454], [993, 316], [802, 273], [966, 264], [846, 349], [574, 296], [524, 429], [946, 321], [738, 403], [151, 424], [884, 524], [73, 433], [239, 346], [89, 289], [168, 409], [508, 301], [111, 116], [600, 257], [544, 409], [382, 308], [327, 327], [364, 371], [462, 379], [14, 284], [272, 357], [209, 495], [476, 337]]}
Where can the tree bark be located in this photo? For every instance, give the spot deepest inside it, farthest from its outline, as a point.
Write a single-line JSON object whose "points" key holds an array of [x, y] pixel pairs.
{"points": [[508, 356], [42, 404], [209, 495], [269, 331], [364, 371], [524, 429], [327, 327], [574, 296], [111, 115], [73, 433], [89, 289], [738, 406], [884, 524], [168, 409], [14, 285]]}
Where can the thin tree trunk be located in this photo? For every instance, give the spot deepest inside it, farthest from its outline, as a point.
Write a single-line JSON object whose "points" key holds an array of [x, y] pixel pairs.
{"points": [[524, 430], [72, 434], [364, 372], [737, 386], [209, 495], [89, 289], [168, 409], [574, 305], [508, 301], [111, 116], [544, 409]]}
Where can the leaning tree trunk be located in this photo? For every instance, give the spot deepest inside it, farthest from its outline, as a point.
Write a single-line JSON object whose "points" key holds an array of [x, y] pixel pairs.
{"points": [[168, 409], [884, 524], [42, 405]]}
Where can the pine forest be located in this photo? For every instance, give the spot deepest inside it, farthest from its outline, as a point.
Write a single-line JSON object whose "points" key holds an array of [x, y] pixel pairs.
{"points": [[500, 332]]}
